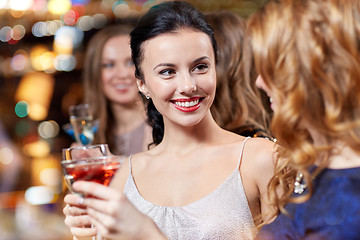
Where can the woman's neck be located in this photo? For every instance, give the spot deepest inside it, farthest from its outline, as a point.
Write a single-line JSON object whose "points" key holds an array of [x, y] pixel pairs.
{"points": [[183, 139], [128, 118], [341, 156]]}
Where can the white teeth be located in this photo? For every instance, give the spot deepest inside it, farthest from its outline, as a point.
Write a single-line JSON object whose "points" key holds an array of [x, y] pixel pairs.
{"points": [[121, 86], [187, 104]]}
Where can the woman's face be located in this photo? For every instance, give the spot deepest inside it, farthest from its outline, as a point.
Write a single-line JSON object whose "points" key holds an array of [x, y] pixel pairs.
{"points": [[262, 85], [117, 71], [179, 75]]}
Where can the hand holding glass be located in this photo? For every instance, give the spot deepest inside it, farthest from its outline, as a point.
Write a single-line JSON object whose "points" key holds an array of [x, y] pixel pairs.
{"points": [[90, 163]]}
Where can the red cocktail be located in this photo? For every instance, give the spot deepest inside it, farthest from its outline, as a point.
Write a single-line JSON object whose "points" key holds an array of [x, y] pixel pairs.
{"points": [[89, 163]]}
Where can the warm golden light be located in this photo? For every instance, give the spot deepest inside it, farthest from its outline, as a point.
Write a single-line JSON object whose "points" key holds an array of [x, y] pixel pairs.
{"points": [[39, 149], [46, 171], [59, 6], [36, 89], [20, 5], [35, 56]]}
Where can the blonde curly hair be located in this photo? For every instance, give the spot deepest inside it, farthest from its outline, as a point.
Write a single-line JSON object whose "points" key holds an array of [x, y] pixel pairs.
{"points": [[308, 53]]}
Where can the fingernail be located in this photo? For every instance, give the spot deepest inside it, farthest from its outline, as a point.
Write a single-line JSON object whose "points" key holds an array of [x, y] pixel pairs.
{"points": [[81, 201]]}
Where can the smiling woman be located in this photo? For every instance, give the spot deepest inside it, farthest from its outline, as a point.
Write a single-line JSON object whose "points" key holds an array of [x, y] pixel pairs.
{"points": [[110, 88], [199, 181], [186, 80]]}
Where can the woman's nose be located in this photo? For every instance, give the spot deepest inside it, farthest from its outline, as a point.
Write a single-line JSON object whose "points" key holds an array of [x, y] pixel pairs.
{"points": [[259, 82], [188, 84]]}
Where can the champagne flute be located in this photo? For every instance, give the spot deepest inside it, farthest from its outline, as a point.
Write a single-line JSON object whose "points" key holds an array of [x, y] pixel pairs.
{"points": [[90, 163], [83, 123]]}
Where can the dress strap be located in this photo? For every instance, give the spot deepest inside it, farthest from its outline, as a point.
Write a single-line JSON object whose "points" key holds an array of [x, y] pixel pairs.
{"points": [[241, 153], [130, 164]]}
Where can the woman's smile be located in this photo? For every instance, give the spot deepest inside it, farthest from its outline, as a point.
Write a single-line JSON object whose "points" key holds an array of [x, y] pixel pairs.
{"points": [[187, 104]]}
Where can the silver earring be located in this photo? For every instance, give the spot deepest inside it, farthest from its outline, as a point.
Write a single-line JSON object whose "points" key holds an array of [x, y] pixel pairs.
{"points": [[147, 97], [299, 187]]}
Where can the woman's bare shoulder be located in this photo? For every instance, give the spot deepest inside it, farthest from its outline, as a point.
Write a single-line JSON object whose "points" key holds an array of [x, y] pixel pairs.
{"points": [[119, 180], [260, 155], [261, 148], [122, 174]]}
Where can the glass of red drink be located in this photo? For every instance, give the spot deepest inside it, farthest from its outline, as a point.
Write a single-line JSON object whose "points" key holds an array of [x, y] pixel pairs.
{"points": [[89, 163]]}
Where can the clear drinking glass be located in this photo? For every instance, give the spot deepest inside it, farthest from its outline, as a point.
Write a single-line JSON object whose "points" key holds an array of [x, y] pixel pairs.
{"points": [[83, 123], [90, 163]]}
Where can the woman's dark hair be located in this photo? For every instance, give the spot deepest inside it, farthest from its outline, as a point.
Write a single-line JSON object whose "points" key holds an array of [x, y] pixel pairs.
{"points": [[164, 18]]}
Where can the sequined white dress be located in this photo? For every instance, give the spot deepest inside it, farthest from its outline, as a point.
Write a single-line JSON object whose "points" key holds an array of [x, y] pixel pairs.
{"points": [[223, 214]]}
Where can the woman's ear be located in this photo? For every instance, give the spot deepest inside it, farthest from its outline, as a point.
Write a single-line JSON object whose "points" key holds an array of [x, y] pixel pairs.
{"points": [[142, 88]]}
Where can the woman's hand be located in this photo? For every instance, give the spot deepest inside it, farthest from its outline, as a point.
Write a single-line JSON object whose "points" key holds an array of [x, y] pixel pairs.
{"points": [[76, 217], [113, 216]]}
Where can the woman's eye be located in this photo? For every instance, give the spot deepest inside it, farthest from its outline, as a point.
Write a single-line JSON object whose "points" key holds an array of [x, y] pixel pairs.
{"points": [[167, 72], [202, 68], [107, 65]]}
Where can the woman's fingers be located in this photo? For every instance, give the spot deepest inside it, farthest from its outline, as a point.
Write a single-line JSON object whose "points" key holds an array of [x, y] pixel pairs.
{"points": [[73, 210], [98, 223], [83, 232], [111, 207], [78, 221], [94, 189], [74, 200]]}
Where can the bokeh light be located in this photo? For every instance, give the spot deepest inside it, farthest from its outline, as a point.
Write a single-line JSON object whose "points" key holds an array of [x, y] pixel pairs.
{"points": [[39, 6], [121, 9], [20, 5], [22, 109], [66, 39], [100, 20], [50, 176], [85, 23], [46, 61], [36, 88], [48, 129], [22, 128], [65, 62], [59, 6], [20, 61], [35, 56], [39, 195], [69, 18], [18, 32], [4, 4], [83, 2], [53, 26], [39, 29], [6, 156], [5, 34], [37, 149]]}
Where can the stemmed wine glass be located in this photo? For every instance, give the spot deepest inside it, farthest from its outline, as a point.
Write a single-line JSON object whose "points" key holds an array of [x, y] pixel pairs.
{"points": [[90, 163], [82, 124]]}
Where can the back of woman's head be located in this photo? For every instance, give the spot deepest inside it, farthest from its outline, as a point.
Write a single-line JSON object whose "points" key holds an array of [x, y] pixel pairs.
{"points": [[237, 102], [166, 17], [308, 53]]}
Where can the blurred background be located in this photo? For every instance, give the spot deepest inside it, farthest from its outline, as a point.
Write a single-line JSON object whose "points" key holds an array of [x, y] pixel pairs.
{"points": [[42, 44]]}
